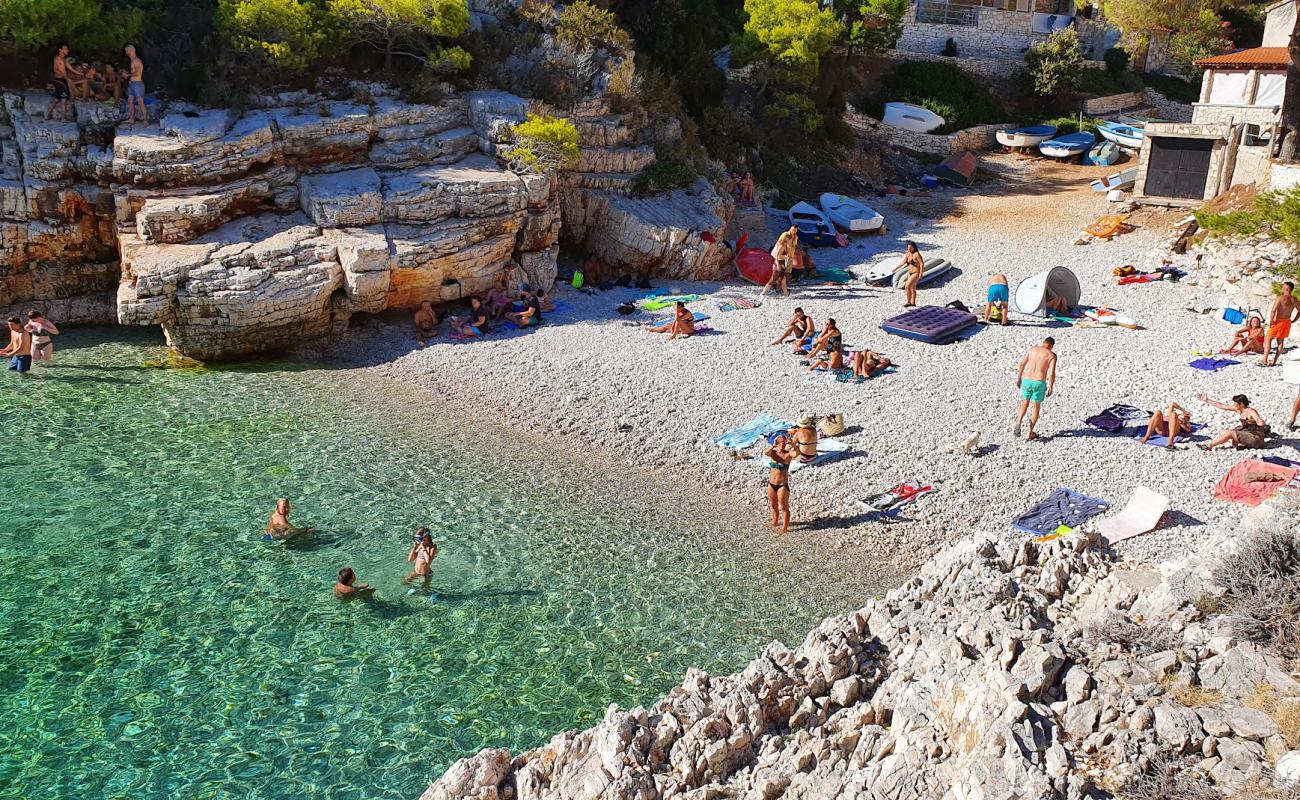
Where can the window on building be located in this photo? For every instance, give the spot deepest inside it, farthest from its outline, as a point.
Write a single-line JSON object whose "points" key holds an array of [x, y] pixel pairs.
{"points": [[1228, 88], [1271, 87]]}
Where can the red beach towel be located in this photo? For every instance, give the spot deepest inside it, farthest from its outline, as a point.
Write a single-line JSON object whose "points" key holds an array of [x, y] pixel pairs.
{"points": [[1237, 486]]}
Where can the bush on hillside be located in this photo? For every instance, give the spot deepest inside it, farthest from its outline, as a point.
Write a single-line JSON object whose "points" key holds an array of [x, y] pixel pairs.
{"points": [[1054, 67], [1275, 213], [583, 26], [400, 27], [29, 25], [1117, 60], [1071, 124], [1261, 582], [664, 178], [946, 89], [284, 34], [542, 144], [1105, 82], [1175, 88]]}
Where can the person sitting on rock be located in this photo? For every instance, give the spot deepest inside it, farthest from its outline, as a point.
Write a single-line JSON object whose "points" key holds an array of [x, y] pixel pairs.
{"points": [[732, 186], [426, 323], [747, 190]]}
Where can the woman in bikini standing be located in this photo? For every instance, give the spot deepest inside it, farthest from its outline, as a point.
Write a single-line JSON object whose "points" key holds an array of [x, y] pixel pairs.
{"points": [[782, 262], [915, 269], [779, 456], [41, 330], [422, 554]]}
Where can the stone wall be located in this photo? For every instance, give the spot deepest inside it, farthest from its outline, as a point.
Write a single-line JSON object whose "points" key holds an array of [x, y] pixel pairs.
{"points": [[999, 34], [1283, 176], [1111, 103], [1206, 114], [238, 232], [990, 68], [1164, 108], [979, 137]]}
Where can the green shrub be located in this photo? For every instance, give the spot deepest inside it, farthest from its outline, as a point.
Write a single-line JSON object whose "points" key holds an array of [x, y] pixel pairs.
{"points": [[793, 34], [542, 144], [584, 26], [797, 109], [1276, 213], [664, 178], [29, 25], [400, 27], [1105, 82], [285, 34], [1070, 124], [1117, 60], [1173, 87], [1054, 66], [964, 100]]}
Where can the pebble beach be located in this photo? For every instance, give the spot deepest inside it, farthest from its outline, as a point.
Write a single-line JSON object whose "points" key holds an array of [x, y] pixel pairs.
{"points": [[595, 382]]}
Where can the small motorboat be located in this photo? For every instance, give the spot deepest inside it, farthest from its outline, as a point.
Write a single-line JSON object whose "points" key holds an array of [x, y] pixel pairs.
{"points": [[911, 118], [1135, 121], [1066, 146], [851, 215], [815, 229], [1122, 135], [1119, 180], [1104, 154], [1029, 136]]}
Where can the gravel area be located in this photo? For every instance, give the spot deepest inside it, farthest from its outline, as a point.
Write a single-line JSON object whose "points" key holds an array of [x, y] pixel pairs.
{"points": [[592, 380]]}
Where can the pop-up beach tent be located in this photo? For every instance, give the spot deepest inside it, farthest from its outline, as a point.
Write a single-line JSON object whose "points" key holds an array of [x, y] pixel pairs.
{"points": [[1031, 293]]}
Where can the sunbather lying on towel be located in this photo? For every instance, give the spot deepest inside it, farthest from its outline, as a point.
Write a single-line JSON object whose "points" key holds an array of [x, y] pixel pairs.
{"points": [[1249, 433], [833, 343], [682, 323], [1056, 302], [804, 438], [800, 326], [868, 362], [1171, 422], [1249, 339]]}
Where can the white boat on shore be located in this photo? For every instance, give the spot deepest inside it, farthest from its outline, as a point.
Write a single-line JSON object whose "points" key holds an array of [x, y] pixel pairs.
{"points": [[911, 118], [1029, 136], [1122, 135], [851, 215], [1066, 146], [1123, 179]]}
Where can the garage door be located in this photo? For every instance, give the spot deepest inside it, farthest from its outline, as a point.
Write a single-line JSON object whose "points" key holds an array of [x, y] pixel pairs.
{"points": [[1178, 167]]}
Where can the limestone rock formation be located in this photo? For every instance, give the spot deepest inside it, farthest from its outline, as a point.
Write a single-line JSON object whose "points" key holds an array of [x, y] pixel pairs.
{"points": [[1002, 670]]}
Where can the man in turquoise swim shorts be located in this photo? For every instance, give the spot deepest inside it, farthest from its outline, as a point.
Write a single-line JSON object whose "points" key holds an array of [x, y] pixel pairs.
{"points": [[999, 297], [1036, 379]]}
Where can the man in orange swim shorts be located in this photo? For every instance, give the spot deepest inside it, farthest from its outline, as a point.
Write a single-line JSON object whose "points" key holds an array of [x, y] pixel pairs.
{"points": [[1280, 317]]}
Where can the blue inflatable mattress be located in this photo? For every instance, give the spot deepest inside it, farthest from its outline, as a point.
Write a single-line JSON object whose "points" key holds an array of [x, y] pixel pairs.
{"points": [[931, 324]]}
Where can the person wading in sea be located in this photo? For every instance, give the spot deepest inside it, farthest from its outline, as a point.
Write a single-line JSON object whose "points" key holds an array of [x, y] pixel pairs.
{"points": [[278, 526], [1036, 379], [20, 347]]}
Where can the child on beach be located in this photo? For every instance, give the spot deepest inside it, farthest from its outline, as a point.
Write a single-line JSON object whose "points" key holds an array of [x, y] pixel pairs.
{"points": [[19, 350], [999, 298]]}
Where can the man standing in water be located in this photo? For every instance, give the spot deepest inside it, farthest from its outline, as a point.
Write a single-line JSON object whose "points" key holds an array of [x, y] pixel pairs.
{"points": [[20, 347], [1280, 317], [1036, 380], [278, 527], [135, 89]]}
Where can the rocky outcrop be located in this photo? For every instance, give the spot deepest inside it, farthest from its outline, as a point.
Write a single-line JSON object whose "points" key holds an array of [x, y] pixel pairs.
{"points": [[1002, 670]]}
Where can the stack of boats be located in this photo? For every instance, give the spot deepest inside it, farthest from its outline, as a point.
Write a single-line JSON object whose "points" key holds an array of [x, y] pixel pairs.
{"points": [[1121, 133]]}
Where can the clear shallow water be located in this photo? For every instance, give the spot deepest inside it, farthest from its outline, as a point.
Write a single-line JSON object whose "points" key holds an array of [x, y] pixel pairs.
{"points": [[154, 647]]}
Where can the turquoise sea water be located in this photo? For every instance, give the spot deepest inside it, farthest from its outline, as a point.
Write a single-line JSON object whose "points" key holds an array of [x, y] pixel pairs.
{"points": [[154, 647]]}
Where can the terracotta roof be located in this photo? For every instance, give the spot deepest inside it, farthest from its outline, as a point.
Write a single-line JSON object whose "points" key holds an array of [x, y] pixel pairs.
{"points": [[1254, 57]]}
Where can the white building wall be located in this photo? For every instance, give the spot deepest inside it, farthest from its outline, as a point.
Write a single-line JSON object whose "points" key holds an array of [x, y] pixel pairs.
{"points": [[1278, 24]]}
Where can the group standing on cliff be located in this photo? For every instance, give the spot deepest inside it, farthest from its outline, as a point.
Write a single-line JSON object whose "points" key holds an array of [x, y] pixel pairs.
{"points": [[73, 82]]}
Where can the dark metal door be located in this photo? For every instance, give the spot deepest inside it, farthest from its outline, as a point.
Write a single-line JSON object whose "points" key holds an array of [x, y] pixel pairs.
{"points": [[1178, 167]]}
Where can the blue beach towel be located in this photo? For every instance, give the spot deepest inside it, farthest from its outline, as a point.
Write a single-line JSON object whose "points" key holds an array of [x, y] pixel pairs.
{"points": [[1062, 507], [757, 428], [698, 318], [1212, 364], [1162, 441]]}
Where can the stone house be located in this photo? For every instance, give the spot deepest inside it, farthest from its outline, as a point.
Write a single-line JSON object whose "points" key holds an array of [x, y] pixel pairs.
{"points": [[996, 29], [1233, 135]]}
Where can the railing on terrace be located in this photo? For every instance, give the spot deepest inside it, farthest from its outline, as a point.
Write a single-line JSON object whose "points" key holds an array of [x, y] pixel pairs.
{"points": [[941, 12]]}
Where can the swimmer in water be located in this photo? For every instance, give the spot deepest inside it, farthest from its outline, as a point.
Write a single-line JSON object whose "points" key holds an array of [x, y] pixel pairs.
{"points": [[278, 527], [422, 554], [347, 587]]}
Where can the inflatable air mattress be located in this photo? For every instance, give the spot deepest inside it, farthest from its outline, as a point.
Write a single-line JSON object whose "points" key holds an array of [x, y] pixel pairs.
{"points": [[931, 324]]}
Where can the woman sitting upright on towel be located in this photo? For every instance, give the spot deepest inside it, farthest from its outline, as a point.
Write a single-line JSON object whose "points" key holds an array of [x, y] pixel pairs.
{"points": [[1169, 423], [804, 438], [1249, 339], [1249, 433], [833, 343], [682, 323]]}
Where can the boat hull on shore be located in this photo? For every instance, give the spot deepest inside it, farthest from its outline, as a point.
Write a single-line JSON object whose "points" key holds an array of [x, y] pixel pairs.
{"points": [[1122, 135], [1067, 146], [911, 118], [1029, 136], [851, 215]]}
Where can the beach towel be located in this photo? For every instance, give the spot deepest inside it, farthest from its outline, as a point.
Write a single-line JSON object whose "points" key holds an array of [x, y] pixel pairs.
{"points": [[888, 503], [846, 375], [755, 430], [1163, 441], [1252, 482], [1115, 418], [1141, 515], [837, 276], [827, 449], [657, 303], [697, 315], [738, 304], [1062, 507], [1212, 364]]}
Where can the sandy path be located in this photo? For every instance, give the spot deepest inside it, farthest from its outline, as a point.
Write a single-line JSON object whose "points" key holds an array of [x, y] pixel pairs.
{"points": [[593, 380]]}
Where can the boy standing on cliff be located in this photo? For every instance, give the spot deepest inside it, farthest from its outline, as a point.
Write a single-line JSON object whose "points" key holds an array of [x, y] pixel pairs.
{"points": [[20, 347], [135, 88]]}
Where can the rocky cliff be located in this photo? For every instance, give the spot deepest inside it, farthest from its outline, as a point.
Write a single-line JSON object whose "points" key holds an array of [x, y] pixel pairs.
{"points": [[239, 232], [1003, 670]]}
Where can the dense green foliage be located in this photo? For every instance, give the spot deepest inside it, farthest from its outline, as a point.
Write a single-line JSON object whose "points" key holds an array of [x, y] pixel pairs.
{"points": [[282, 33], [1199, 27], [946, 89], [1275, 213], [1104, 82], [543, 143], [27, 25], [1071, 123], [1201, 36], [584, 26], [791, 36], [870, 26], [1054, 66], [664, 177], [400, 27], [1117, 60], [1174, 88]]}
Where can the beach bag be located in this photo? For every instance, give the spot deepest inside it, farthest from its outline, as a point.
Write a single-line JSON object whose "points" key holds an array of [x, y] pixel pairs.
{"points": [[831, 425]]}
